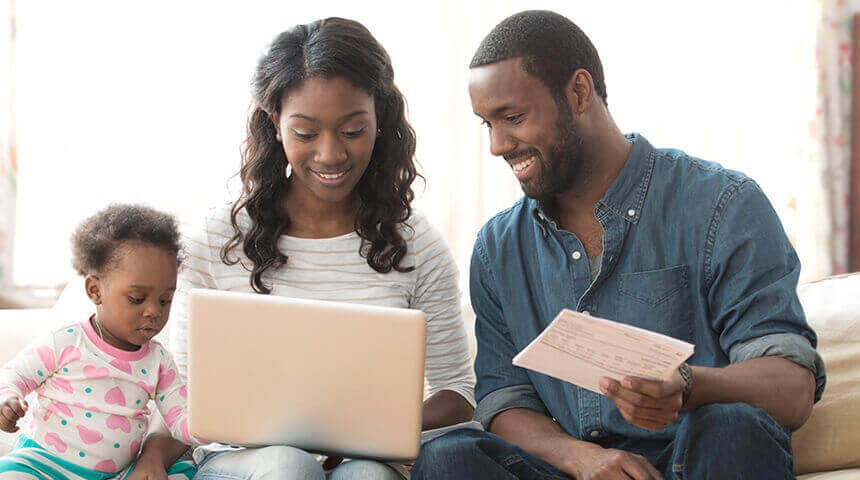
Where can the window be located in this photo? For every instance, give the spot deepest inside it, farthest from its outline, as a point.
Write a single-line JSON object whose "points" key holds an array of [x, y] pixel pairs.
{"points": [[147, 102]]}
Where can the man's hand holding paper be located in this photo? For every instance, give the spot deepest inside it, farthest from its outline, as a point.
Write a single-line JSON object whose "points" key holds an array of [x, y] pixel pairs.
{"points": [[650, 404], [637, 369]]}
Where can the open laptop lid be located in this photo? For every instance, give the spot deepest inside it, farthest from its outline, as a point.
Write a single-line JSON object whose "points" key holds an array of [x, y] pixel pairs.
{"points": [[322, 376]]}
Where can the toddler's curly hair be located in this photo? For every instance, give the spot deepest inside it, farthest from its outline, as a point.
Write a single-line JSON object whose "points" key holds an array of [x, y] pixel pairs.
{"points": [[96, 240]]}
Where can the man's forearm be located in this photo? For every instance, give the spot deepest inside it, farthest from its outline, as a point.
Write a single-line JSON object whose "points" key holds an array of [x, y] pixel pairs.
{"points": [[541, 436], [444, 408], [782, 388]]}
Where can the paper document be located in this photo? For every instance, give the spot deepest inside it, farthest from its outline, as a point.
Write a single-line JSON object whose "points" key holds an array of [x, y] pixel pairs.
{"points": [[581, 349]]}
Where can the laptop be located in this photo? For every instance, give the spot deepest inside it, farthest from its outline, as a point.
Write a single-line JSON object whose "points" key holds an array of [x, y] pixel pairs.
{"points": [[327, 377]]}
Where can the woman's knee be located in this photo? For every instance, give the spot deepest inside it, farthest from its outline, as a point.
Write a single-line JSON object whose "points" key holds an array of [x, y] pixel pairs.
{"points": [[266, 463], [289, 462], [364, 469]]}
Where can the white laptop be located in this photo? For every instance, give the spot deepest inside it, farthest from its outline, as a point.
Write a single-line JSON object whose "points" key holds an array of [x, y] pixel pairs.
{"points": [[326, 377]]}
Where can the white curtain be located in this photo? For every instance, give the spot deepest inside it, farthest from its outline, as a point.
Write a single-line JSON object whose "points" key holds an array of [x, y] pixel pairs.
{"points": [[832, 132], [8, 167]]}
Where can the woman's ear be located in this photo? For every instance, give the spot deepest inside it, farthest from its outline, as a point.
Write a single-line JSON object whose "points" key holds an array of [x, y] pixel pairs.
{"points": [[93, 287], [275, 121]]}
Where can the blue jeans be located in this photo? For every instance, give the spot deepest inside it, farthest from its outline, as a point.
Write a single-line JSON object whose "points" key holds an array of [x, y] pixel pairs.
{"points": [[285, 463], [718, 441]]}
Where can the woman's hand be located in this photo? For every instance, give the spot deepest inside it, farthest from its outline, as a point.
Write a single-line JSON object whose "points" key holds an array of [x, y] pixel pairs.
{"points": [[11, 410]]}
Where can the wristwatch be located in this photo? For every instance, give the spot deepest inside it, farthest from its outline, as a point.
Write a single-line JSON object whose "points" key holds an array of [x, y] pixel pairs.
{"points": [[687, 374]]}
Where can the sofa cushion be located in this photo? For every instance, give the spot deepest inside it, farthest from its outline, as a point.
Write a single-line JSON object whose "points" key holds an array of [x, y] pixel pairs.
{"points": [[851, 474], [829, 439], [19, 327]]}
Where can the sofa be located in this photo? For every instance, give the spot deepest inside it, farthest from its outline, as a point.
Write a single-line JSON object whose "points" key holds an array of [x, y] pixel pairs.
{"points": [[827, 447]]}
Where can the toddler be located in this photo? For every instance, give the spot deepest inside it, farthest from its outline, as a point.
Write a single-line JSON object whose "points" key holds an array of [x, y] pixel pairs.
{"points": [[94, 376]]}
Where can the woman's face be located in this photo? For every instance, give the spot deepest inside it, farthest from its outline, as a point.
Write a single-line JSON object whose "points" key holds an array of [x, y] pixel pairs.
{"points": [[328, 129]]}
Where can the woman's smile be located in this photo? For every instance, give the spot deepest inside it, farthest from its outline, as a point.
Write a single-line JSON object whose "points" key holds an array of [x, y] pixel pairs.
{"points": [[331, 178]]}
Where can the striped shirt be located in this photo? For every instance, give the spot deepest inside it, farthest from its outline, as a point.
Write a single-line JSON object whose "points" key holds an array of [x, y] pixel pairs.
{"points": [[332, 269]]}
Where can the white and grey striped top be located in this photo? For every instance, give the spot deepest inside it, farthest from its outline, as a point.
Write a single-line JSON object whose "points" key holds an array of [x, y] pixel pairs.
{"points": [[332, 269]]}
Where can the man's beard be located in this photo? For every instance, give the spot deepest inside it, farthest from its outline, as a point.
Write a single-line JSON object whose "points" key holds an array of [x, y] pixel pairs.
{"points": [[560, 170]]}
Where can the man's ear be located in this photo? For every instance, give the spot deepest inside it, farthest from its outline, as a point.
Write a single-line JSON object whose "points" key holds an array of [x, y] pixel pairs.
{"points": [[93, 287], [579, 91]]}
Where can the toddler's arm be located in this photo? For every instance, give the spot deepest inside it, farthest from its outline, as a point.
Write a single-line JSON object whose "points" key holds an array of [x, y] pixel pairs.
{"points": [[171, 399], [32, 367], [22, 375], [160, 452]]}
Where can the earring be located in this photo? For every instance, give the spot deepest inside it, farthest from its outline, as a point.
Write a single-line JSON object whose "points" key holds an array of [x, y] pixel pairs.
{"points": [[278, 135], [289, 170], [379, 132]]}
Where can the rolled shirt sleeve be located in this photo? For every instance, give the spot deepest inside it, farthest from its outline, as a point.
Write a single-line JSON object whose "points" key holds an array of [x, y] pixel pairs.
{"points": [[752, 271], [501, 385], [784, 345], [506, 398]]}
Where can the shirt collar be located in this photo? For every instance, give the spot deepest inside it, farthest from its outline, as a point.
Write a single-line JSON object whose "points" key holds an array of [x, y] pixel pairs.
{"points": [[626, 195]]}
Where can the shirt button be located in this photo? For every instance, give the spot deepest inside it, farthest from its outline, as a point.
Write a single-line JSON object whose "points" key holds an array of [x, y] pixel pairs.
{"points": [[631, 212], [594, 433], [576, 255]]}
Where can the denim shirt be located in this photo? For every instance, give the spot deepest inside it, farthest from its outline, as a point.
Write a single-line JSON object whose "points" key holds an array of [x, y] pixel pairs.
{"points": [[690, 250]]}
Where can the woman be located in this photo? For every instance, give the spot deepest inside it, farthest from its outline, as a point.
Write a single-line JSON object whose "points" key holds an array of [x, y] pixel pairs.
{"points": [[325, 214]]}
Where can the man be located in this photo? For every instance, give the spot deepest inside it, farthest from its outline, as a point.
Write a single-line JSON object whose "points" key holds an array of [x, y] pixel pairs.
{"points": [[651, 238]]}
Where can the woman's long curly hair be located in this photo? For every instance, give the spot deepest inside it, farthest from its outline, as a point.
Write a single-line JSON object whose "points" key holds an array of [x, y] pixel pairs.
{"points": [[329, 48]]}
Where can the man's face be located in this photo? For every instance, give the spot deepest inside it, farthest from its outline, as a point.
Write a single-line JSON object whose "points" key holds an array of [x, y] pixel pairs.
{"points": [[532, 130]]}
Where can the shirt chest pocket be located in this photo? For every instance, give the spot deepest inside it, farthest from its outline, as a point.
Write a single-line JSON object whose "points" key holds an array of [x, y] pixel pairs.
{"points": [[658, 300]]}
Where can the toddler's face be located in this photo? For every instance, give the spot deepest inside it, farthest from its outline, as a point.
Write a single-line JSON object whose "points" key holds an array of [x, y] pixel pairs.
{"points": [[135, 294]]}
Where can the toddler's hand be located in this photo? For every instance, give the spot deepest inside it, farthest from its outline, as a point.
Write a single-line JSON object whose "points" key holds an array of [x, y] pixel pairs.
{"points": [[147, 470], [11, 410]]}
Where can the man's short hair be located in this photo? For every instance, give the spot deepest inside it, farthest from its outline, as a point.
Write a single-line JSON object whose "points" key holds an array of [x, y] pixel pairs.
{"points": [[552, 48]]}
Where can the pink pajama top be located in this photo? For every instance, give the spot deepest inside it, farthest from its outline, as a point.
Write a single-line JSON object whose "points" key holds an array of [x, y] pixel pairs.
{"points": [[91, 398]]}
